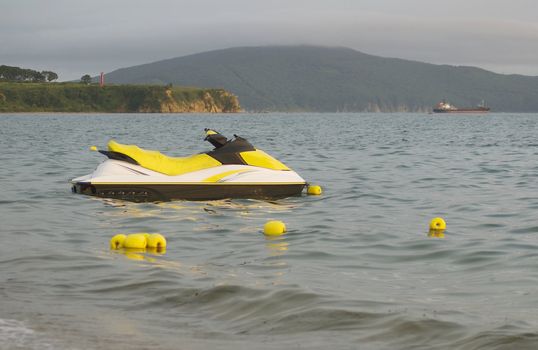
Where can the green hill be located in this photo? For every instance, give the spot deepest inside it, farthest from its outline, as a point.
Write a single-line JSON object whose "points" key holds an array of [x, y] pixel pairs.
{"points": [[309, 78], [76, 97]]}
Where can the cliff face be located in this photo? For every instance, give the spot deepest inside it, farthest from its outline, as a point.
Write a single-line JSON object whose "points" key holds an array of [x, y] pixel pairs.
{"points": [[220, 101], [73, 97]]}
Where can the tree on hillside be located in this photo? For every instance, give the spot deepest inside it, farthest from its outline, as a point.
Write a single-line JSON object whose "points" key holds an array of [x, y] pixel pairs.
{"points": [[17, 74], [86, 79], [50, 76], [37, 77]]}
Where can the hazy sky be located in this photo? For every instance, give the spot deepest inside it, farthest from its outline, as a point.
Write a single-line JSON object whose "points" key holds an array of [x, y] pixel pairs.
{"points": [[73, 37]]}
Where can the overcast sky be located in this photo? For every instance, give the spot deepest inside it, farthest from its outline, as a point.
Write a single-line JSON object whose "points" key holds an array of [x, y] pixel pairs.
{"points": [[76, 37]]}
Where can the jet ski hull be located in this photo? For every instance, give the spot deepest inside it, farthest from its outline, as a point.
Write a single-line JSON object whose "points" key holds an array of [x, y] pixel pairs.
{"points": [[194, 192]]}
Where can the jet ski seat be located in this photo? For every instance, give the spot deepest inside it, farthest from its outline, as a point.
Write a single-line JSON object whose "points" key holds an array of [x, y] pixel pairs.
{"points": [[156, 161]]}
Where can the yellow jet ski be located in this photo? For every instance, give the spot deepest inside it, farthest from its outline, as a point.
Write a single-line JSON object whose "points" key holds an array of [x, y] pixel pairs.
{"points": [[233, 169]]}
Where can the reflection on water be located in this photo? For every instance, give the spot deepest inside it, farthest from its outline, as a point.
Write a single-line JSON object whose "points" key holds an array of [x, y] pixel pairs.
{"points": [[136, 254], [276, 246], [148, 254], [193, 210], [436, 234]]}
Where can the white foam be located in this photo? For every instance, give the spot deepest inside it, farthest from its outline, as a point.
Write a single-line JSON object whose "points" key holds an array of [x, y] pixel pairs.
{"points": [[16, 335]]}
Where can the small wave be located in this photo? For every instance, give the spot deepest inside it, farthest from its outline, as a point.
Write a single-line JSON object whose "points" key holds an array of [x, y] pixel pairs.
{"points": [[499, 339], [480, 258], [532, 229], [16, 335]]}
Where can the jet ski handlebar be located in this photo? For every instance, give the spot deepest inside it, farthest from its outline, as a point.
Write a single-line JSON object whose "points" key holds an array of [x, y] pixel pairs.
{"points": [[222, 144], [215, 138]]}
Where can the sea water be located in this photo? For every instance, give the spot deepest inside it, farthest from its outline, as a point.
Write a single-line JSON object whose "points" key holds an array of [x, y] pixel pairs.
{"points": [[356, 269]]}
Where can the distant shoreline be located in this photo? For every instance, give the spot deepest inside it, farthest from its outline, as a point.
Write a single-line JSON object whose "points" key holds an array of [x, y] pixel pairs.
{"points": [[269, 113], [92, 98]]}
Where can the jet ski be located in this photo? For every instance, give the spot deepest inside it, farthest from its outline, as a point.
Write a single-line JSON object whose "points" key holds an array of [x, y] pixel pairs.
{"points": [[233, 169]]}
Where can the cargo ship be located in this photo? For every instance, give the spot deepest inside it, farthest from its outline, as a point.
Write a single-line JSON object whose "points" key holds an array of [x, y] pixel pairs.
{"points": [[445, 107]]}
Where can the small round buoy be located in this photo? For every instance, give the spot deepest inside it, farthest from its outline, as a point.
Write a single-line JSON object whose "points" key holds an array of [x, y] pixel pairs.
{"points": [[156, 240], [93, 148], [136, 241], [437, 224], [274, 228], [314, 190], [116, 242]]}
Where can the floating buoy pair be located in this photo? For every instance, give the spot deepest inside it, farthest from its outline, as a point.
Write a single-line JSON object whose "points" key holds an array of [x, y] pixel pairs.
{"points": [[138, 241]]}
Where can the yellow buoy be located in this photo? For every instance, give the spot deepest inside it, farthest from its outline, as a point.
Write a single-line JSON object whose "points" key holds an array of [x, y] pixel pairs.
{"points": [[136, 241], [93, 148], [274, 228], [116, 242], [437, 224], [314, 190], [156, 240]]}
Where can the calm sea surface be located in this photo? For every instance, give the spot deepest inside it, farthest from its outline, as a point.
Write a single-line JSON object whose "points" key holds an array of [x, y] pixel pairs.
{"points": [[356, 269]]}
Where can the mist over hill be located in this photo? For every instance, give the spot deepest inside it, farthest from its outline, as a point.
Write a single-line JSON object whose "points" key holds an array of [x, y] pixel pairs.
{"points": [[330, 79]]}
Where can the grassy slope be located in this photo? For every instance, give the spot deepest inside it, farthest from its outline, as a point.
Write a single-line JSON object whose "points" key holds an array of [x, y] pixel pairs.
{"points": [[75, 97], [330, 79]]}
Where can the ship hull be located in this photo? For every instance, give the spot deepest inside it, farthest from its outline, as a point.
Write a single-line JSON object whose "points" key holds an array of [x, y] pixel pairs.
{"points": [[461, 110]]}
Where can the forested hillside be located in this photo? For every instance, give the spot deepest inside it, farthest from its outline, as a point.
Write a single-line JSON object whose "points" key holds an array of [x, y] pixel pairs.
{"points": [[309, 78]]}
